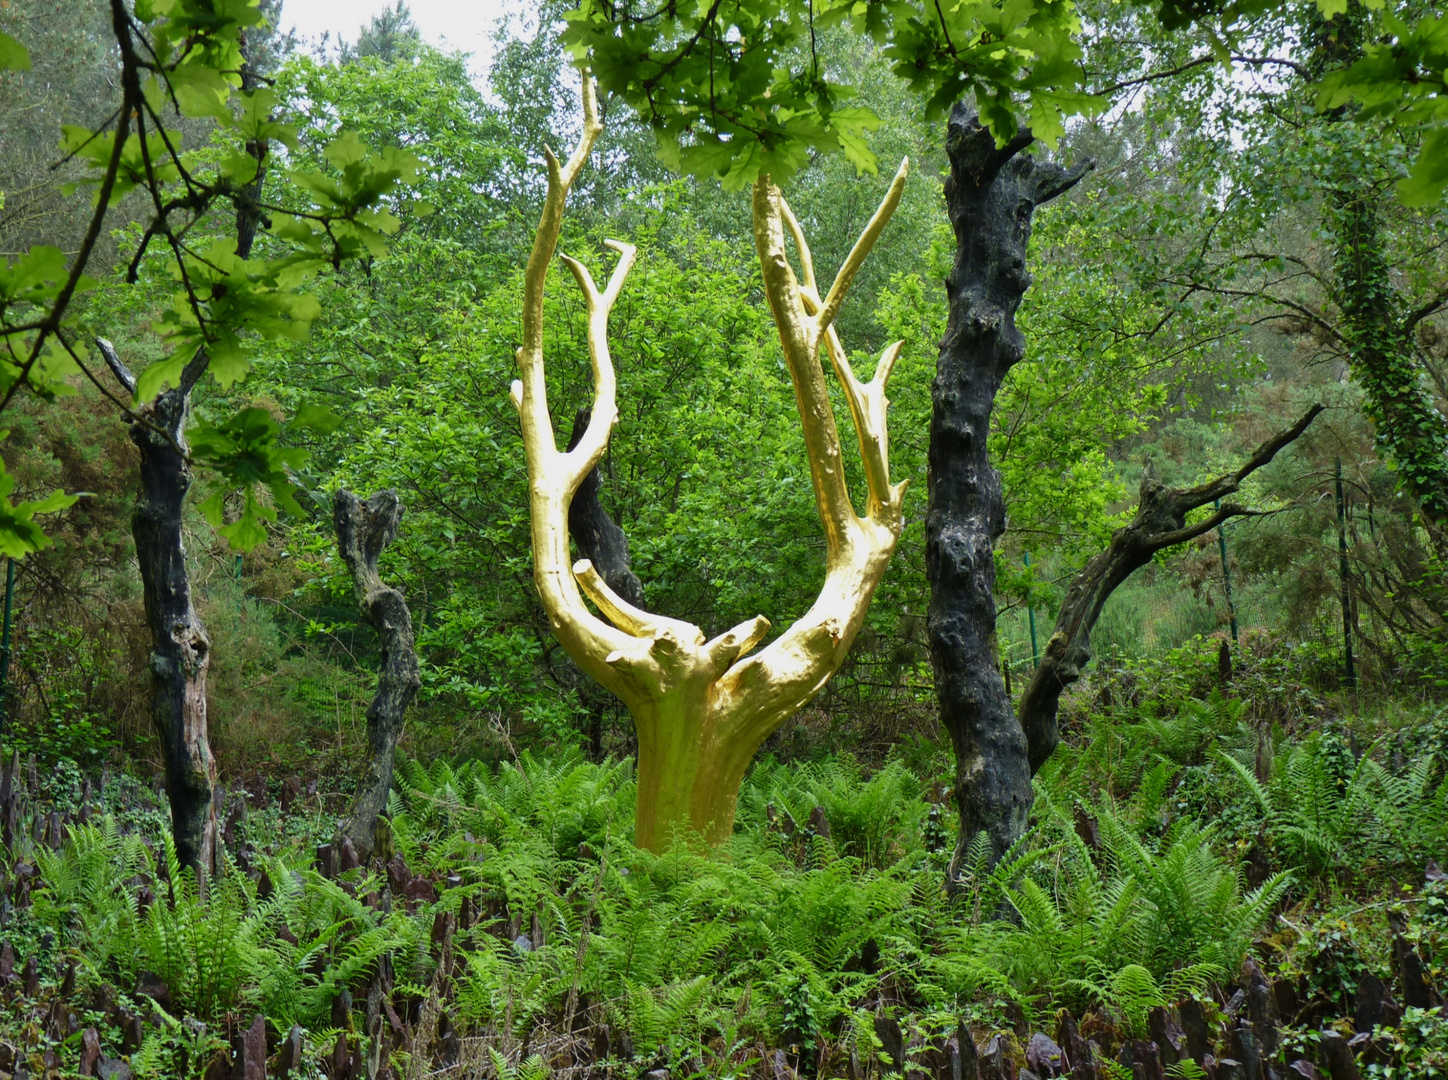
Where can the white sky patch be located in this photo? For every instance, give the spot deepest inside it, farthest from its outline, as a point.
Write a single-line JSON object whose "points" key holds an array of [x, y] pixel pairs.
{"points": [[463, 25]]}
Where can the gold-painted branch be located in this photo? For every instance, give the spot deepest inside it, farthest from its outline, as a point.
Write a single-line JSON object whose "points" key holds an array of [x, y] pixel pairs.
{"points": [[641, 624], [868, 408], [863, 245], [867, 402], [584, 456], [701, 708], [799, 339], [551, 478]]}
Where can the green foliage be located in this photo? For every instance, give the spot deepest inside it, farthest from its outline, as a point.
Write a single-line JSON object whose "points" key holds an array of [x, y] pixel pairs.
{"points": [[737, 91], [203, 949], [19, 532], [1418, 1045], [219, 950], [13, 55], [1403, 76], [875, 817], [1335, 821], [673, 940], [187, 55]]}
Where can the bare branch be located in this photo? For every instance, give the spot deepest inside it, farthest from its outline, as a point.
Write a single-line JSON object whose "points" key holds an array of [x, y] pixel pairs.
{"points": [[1202, 494], [861, 250], [113, 361], [1159, 522]]}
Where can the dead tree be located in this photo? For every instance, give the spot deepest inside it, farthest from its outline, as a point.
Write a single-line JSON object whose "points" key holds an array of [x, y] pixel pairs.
{"points": [[701, 708], [1160, 522], [180, 649], [991, 194], [363, 530]]}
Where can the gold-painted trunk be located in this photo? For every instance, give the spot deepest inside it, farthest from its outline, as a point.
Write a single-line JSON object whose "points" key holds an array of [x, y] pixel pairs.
{"points": [[702, 708]]}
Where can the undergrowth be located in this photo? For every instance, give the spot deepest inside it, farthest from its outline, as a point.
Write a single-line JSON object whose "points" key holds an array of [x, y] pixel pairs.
{"points": [[825, 911]]}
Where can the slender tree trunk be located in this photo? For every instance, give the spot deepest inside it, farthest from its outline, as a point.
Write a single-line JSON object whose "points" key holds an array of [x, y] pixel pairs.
{"points": [[991, 194], [180, 649], [363, 530]]}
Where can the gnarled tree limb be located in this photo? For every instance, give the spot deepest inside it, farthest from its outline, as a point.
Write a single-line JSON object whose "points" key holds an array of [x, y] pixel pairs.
{"points": [[363, 530], [1160, 522]]}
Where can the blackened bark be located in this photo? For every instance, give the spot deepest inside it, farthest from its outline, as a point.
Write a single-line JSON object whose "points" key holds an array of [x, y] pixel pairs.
{"points": [[990, 194], [598, 536], [1160, 522], [363, 530], [602, 542], [180, 649]]}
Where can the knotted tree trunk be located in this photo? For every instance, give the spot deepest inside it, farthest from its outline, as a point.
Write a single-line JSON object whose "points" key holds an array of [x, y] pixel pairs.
{"points": [[991, 194], [180, 649], [363, 530]]}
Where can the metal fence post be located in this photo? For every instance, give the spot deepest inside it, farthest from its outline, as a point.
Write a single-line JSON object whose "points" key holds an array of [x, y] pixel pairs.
{"points": [[1227, 575], [1031, 617], [1342, 571]]}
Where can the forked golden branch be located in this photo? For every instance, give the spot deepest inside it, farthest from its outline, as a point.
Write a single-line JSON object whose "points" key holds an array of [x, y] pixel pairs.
{"points": [[702, 708]]}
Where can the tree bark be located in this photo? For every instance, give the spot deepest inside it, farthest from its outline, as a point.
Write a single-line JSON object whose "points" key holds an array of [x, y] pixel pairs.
{"points": [[180, 649], [603, 542], [991, 194], [1160, 522], [597, 535], [363, 530]]}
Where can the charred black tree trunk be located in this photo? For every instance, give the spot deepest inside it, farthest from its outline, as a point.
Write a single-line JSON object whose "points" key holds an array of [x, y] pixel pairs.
{"points": [[1160, 522], [602, 542], [363, 530], [990, 194], [180, 649], [597, 535]]}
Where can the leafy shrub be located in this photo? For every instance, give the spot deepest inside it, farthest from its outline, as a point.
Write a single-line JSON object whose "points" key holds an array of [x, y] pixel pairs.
{"points": [[1418, 1045]]}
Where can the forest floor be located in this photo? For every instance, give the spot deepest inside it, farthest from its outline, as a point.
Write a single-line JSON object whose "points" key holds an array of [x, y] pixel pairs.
{"points": [[1234, 879]]}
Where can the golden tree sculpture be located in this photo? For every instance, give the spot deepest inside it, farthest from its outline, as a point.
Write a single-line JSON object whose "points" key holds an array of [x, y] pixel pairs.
{"points": [[702, 708]]}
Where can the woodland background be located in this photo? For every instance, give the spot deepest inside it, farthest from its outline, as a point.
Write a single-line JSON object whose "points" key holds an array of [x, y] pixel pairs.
{"points": [[1187, 303]]}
